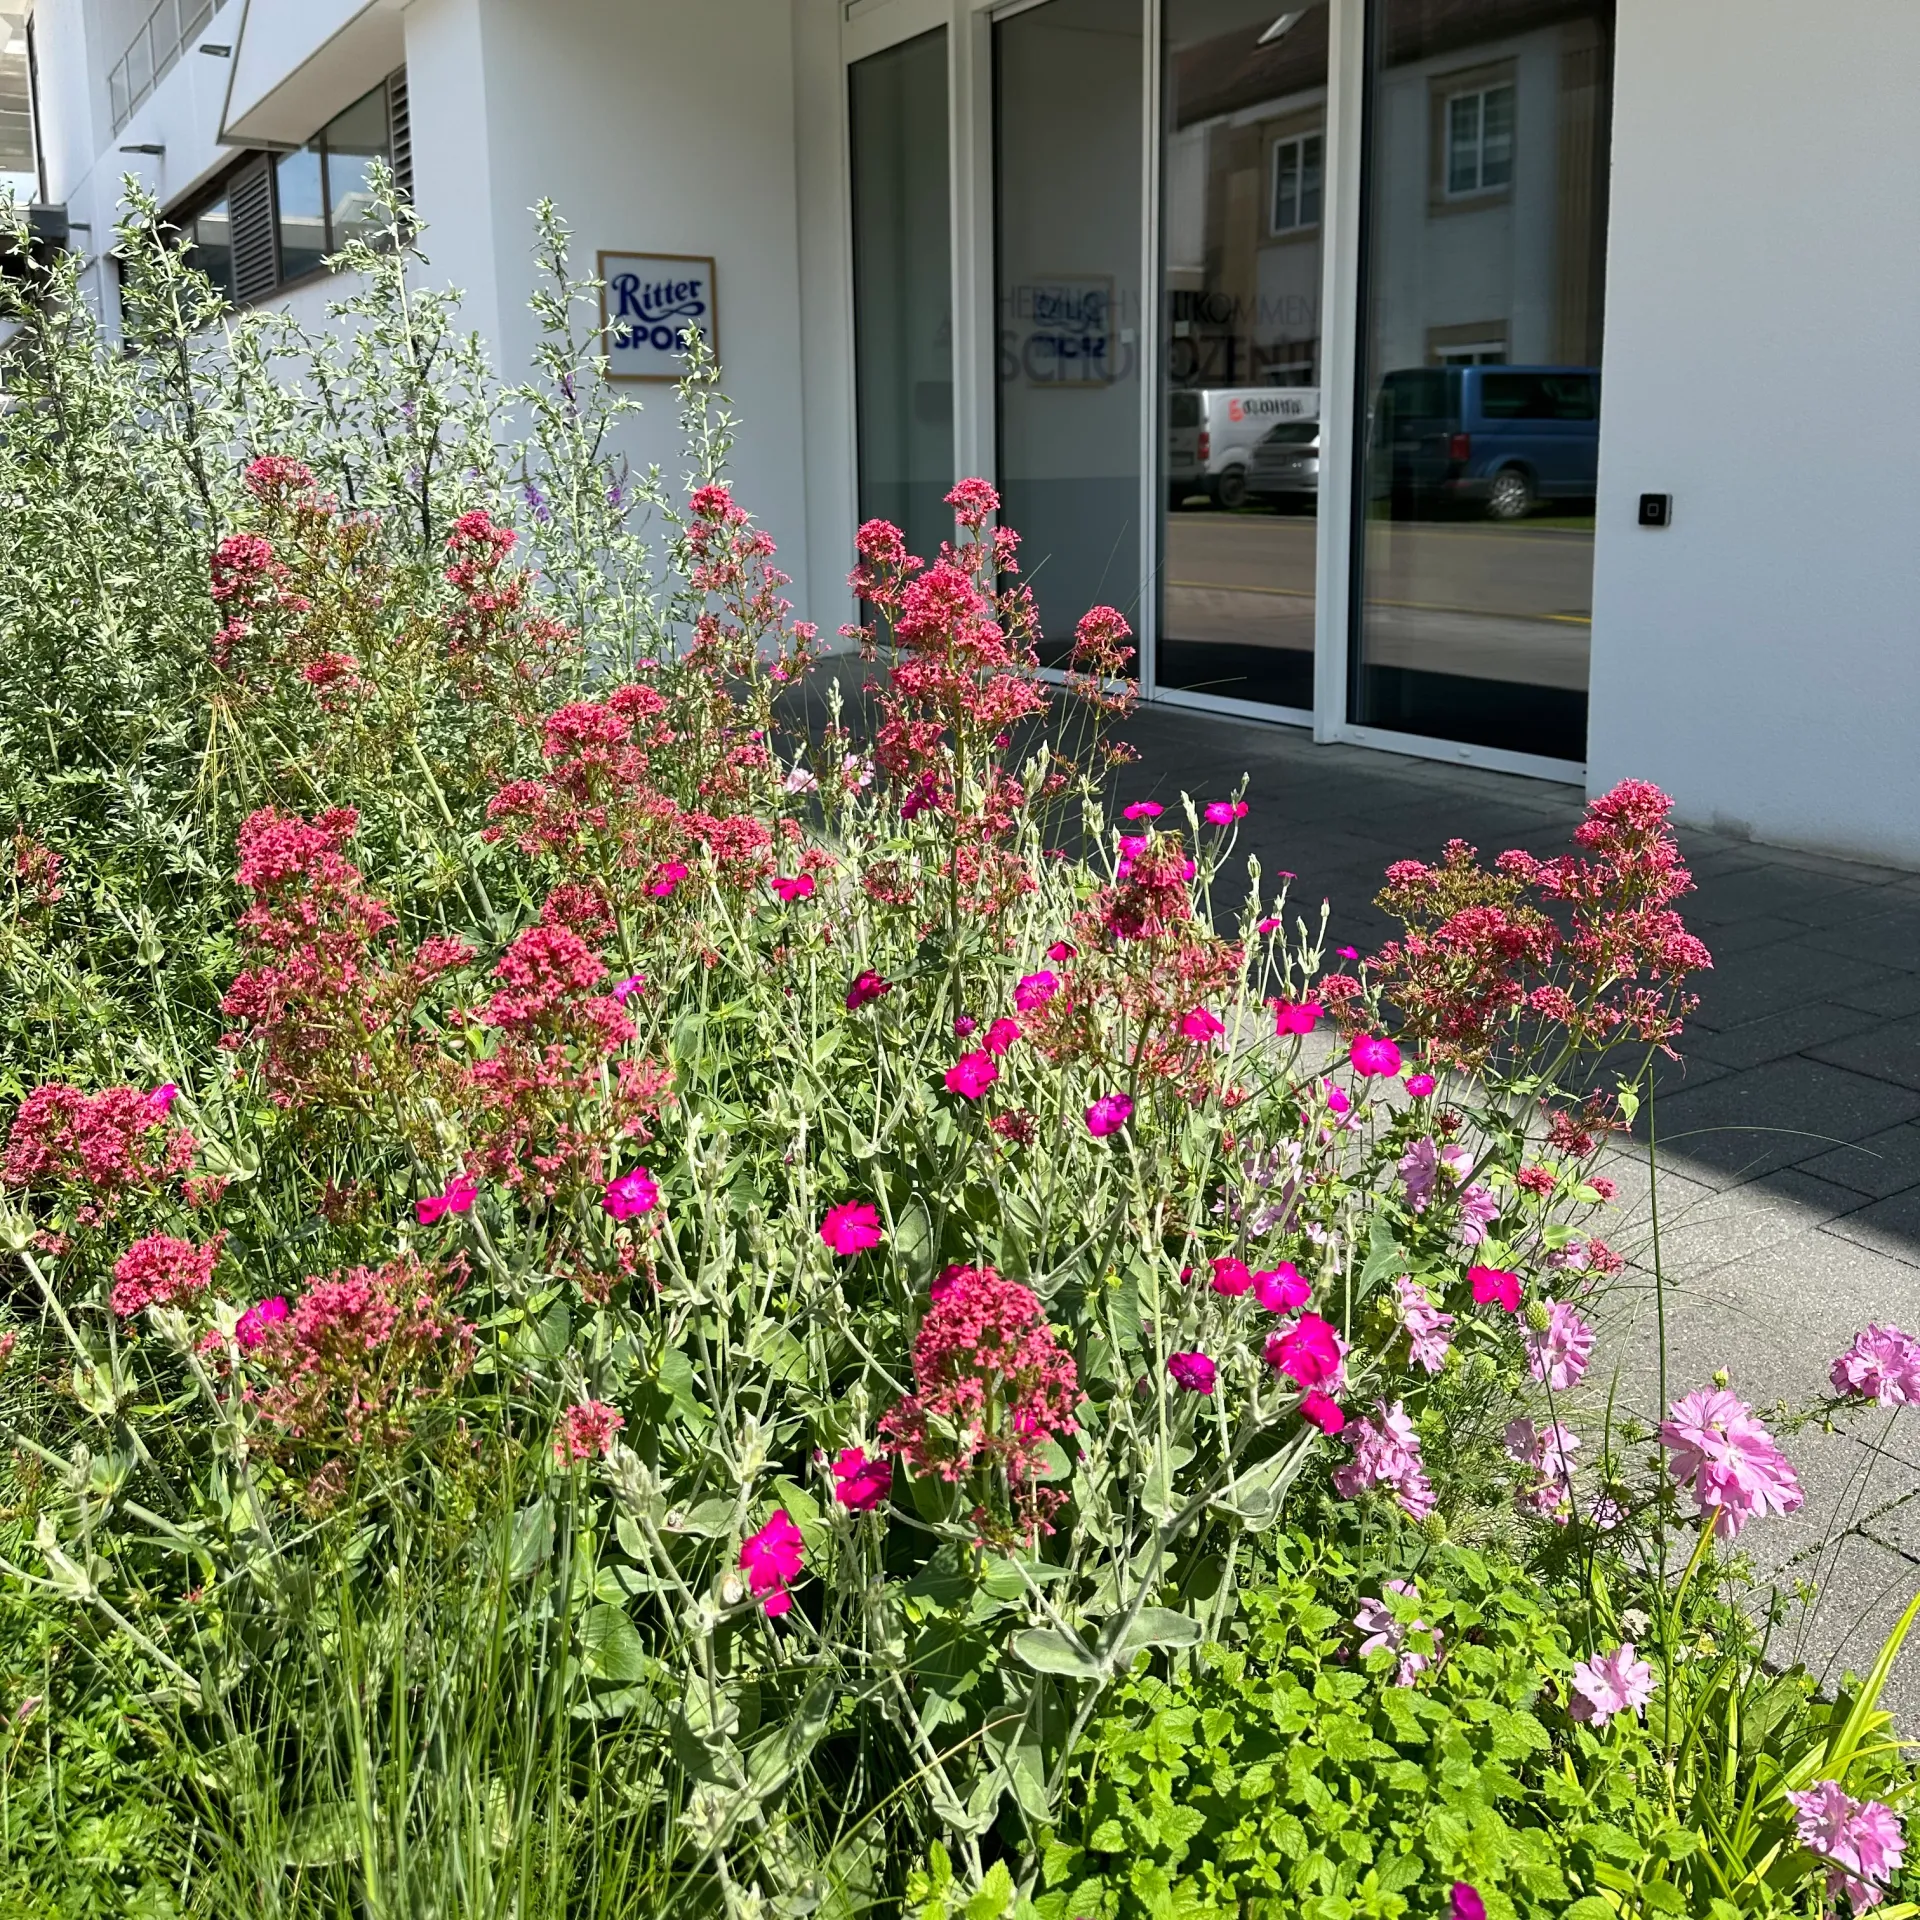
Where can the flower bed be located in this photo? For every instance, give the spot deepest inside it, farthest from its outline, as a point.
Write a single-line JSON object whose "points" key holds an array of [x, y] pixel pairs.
{"points": [[620, 1303]]}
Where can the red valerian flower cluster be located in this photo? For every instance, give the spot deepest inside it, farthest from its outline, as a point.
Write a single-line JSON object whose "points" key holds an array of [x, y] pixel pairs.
{"points": [[161, 1271], [108, 1143], [1589, 945], [992, 1386]]}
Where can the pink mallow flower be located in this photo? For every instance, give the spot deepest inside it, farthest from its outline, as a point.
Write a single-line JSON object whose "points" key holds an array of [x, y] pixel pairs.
{"points": [[458, 1198], [971, 1075], [1388, 1634], [867, 986], [1109, 1114], [1296, 1016], [1282, 1289], [1547, 1453], [1386, 1453], [1309, 1352], [1860, 1840], [586, 1432], [851, 1227], [1192, 1372], [769, 1559], [1559, 1354], [1429, 1331], [1373, 1057], [791, 887], [251, 1328], [1495, 1286], [1882, 1365], [1616, 1682], [1201, 1024], [631, 1195], [1729, 1460], [861, 1481], [1034, 991]]}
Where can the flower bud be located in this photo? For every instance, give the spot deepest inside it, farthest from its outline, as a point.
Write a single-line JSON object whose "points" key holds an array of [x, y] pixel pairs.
{"points": [[1538, 1317], [1434, 1528], [732, 1590]]}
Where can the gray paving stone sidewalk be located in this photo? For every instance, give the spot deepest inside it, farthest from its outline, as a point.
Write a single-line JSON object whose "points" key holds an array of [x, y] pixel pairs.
{"points": [[1789, 1134]]}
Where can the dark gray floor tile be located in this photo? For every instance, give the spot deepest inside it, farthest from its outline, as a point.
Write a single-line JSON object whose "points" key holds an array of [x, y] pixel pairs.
{"points": [[1796, 1030], [1890, 939], [1749, 986], [1890, 1050], [1882, 1164], [1890, 1226], [1893, 995]]}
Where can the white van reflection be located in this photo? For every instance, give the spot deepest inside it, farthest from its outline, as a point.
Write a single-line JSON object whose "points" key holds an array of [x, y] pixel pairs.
{"points": [[1213, 434]]}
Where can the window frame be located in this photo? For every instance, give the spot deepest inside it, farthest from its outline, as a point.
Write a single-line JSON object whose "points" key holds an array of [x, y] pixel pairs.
{"points": [[1481, 186], [1443, 90], [1297, 144]]}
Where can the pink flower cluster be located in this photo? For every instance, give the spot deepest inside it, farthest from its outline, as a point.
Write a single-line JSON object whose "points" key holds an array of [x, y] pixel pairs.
{"points": [[1559, 1353], [1882, 1365], [161, 1271], [1616, 1682], [110, 1142], [1429, 1331], [1728, 1459], [1386, 1453], [1547, 1454], [1387, 1633], [586, 1432], [992, 1387], [1861, 1840]]}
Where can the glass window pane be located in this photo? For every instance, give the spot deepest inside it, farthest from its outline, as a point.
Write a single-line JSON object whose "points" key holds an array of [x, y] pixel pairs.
{"points": [[1241, 435], [1465, 631], [210, 246], [1067, 163], [903, 289], [355, 139], [303, 218]]}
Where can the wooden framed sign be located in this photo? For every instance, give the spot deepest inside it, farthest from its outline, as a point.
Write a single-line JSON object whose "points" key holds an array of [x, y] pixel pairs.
{"points": [[647, 302]]}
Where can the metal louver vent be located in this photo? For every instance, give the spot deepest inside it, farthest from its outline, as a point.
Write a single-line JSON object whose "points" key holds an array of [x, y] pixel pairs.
{"points": [[400, 132], [256, 265]]}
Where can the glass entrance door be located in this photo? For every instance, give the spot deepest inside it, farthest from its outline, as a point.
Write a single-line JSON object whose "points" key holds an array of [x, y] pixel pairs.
{"points": [[1243, 169], [1068, 247], [1482, 300], [903, 288]]}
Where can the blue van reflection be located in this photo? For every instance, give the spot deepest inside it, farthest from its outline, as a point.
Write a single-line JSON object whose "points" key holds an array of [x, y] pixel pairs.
{"points": [[1499, 439]]}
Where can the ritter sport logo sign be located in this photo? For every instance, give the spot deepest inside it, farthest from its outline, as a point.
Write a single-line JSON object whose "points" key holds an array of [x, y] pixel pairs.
{"points": [[647, 302]]}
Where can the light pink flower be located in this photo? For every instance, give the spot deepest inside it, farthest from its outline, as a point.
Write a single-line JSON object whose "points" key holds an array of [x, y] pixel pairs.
{"points": [[1616, 1682], [791, 887], [971, 1075], [586, 1432], [1296, 1016], [1860, 1839], [1200, 1024], [861, 1481], [1547, 1452], [1309, 1352], [251, 1328], [1559, 1355], [1386, 1453], [1729, 1460], [1194, 1372], [1479, 1209], [1282, 1289], [851, 1227], [1495, 1286], [1034, 991], [1388, 1634], [458, 1198], [632, 1194], [1882, 1365], [1223, 813], [1109, 1114], [1142, 810], [770, 1558], [1428, 1329], [1230, 1276]]}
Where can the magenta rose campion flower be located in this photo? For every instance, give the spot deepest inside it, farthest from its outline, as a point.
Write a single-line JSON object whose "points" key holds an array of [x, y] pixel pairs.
{"points": [[1308, 1352], [1616, 1682], [1323, 1411], [861, 1481], [1223, 813], [631, 1195], [793, 887], [1230, 1276], [666, 877], [162, 1098], [1002, 1034], [1109, 1114], [1373, 1057], [1034, 991], [1420, 1085], [867, 986], [1882, 1365], [771, 1558], [1495, 1286], [458, 1198], [1282, 1289], [851, 1227], [972, 1074], [1202, 1024], [1717, 1448], [251, 1328], [1061, 950], [1192, 1372], [1296, 1016], [1465, 1903], [1142, 810]]}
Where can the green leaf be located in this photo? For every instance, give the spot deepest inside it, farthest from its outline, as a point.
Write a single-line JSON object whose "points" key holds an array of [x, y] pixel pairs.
{"points": [[322, 1836], [711, 1519], [1048, 1650], [1159, 1627], [532, 1539], [994, 1901], [611, 1647], [1385, 1258]]}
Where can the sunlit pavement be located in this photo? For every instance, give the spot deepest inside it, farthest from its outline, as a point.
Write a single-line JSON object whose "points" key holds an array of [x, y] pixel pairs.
{"points": [[1789, 1134]]}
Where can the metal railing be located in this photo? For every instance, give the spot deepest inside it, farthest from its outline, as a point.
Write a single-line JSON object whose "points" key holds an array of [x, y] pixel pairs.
{"points": [[171, 28]]}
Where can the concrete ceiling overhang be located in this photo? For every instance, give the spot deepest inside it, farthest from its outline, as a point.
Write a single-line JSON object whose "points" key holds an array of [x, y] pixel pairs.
{"points": [[296, 63]]}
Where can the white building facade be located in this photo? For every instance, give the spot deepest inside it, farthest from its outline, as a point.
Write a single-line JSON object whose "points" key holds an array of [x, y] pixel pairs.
{"points": [[1522, 382]]}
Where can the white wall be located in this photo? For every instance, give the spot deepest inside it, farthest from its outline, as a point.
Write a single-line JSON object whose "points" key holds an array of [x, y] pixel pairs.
{"points": [[1760, 659]]}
